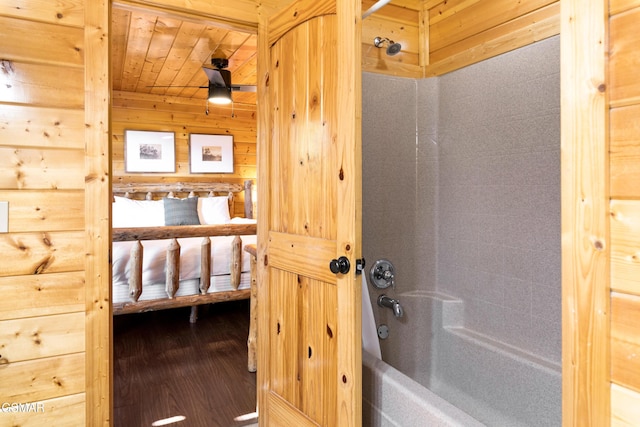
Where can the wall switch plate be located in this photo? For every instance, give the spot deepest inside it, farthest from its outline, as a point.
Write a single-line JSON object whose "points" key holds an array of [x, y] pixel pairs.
{"points": [[4, 217]]}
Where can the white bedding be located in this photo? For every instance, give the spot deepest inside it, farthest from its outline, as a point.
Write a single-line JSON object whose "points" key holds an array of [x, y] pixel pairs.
{"points": [[154, 266], [187, 287]]}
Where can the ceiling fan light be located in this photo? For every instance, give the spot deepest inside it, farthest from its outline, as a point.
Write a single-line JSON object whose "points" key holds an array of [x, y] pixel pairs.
{"points": [[219, 95]]}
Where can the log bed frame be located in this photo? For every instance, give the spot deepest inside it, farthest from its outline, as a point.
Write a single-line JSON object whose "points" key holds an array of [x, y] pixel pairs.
{"points": [[138, 234]]}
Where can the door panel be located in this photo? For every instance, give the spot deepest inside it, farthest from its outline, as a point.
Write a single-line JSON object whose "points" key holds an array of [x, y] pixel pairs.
{"points": [[309, 370], [285, 414], [304, 318], [305, 152], [307, 256]]}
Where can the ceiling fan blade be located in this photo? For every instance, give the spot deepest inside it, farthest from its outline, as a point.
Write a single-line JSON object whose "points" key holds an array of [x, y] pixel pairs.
{"points": [[243, 88], [215, 76], [199, 87]]}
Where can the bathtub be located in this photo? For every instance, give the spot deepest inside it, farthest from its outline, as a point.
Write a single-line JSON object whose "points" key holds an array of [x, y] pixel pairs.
{"points": [[390, 398], [452, 376]]}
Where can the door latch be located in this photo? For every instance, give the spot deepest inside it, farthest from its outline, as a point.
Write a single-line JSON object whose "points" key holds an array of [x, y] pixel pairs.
{"points": [[342, 265]]}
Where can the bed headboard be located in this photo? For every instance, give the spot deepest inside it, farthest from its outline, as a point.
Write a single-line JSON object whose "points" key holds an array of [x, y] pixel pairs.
{"points": [[152, 191]]}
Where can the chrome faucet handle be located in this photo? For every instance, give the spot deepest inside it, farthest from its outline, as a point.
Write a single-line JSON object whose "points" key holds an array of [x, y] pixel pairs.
{"points": [[386, 274], [382, 274]]}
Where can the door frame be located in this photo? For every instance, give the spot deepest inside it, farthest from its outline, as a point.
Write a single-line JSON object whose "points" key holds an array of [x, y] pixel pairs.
{"points": [[585, 214], [98, 195], [97, 214]]}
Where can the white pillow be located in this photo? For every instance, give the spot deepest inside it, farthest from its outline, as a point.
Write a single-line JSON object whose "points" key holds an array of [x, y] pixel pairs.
{"points": [[137, 213], [214, 210]]}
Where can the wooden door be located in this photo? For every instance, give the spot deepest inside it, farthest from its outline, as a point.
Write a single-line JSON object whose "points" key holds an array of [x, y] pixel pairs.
{"points": [[309, 333]]}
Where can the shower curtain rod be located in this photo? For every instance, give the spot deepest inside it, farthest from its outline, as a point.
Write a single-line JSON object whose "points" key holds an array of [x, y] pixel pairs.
{"points": [[379, 4]]}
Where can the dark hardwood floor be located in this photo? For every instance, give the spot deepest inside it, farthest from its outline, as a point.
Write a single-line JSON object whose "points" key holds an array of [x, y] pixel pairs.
{"points": [[166, 367]]}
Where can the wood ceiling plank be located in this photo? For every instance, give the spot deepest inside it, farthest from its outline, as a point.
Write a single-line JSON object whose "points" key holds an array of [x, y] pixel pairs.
{"points": [[230, 44], [191, 73], [246, 73], [120, 22], [162, 39], [140, 34], [183, 45], [244, 53]]}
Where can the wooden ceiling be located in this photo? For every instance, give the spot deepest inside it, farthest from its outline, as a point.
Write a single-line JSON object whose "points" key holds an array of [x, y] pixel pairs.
{"points": [[153, 47], [159, 54]]}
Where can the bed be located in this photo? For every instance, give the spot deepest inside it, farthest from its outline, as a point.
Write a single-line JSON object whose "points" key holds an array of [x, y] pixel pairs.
{"points": [[177, 245]]}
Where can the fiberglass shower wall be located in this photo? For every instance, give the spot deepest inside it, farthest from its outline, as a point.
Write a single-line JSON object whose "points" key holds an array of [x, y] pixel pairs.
{"points": [[499, 196], [461, 191], [393, 199]]}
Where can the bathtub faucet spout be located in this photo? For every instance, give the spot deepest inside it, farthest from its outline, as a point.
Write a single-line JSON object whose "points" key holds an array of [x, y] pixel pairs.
{"points": [[393, 304]]}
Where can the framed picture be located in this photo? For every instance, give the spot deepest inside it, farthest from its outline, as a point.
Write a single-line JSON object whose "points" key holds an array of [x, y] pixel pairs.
{"points": [[210, 153], [149, 151]]}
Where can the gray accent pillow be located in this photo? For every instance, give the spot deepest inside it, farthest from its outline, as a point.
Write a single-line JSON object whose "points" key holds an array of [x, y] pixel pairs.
{"points": [[181, 211]]}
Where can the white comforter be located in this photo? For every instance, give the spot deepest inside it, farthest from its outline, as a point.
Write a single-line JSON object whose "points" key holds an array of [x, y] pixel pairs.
{"points": [[154, 266]]}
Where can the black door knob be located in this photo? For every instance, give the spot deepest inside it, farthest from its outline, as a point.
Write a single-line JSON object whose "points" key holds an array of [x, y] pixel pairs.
{"points": [[340, 265]]}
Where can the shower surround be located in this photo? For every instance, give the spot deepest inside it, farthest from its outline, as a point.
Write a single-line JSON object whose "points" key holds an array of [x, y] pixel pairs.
{"points": [[461, 191]]}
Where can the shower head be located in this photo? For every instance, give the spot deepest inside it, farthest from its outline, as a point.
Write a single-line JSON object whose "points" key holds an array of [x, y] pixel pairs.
{"points": [[392, 48]]}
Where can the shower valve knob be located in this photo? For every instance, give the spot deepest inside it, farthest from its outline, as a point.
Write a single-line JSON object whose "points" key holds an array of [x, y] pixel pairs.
{"points": [[340, 265]]}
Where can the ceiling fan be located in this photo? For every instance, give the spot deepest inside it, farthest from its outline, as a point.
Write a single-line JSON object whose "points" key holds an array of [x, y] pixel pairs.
{"points": [[220, 86]]}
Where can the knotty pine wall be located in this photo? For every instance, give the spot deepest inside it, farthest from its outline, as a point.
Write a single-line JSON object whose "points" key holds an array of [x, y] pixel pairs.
{"points": [[624, 189], [439, 36], [461, 33], [184, 116], [400, 22], [42, 176]]}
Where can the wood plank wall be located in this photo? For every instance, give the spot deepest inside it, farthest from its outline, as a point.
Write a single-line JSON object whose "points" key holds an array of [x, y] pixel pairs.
{"points": [[462, 32], [439, 36], [400, 22], [624, 136], [185, 116], [42, 176]]}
